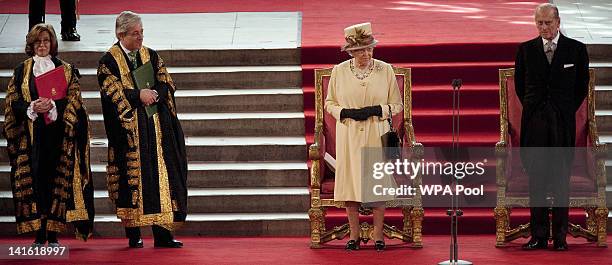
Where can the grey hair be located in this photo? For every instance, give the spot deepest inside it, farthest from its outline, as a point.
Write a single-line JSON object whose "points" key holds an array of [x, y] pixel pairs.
{"points": [[125, 21], [548, 6]]}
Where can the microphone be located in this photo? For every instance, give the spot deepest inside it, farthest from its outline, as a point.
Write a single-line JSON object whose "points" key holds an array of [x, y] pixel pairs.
{"points": [[457, 83]]}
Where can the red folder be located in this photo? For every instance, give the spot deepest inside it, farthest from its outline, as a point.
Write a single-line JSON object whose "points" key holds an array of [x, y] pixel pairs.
{"points": [[51, 85]]}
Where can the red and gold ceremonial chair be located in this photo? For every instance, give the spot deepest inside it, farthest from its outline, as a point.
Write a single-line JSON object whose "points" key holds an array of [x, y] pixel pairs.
{"points": [[588, 179], [322, 175]]}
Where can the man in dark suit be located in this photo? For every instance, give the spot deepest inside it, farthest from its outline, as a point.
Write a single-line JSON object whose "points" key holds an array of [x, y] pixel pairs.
{"points": [[551, 80], [69, 19]]}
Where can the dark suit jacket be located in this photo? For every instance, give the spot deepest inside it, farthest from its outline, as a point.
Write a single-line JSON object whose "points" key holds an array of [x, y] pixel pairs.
{"points": [[551, 93]]}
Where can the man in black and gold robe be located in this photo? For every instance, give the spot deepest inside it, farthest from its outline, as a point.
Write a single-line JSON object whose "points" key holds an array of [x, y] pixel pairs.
{"points": [[147, 164], [50, 172]]}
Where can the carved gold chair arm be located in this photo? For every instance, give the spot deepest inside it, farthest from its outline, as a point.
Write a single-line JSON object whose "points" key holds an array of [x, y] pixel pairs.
{"points": [[600, 150], [501, 149], [415, 150], [313, 152]]}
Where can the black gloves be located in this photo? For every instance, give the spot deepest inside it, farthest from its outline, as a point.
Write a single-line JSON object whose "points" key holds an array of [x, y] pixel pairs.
{"points": [[373, 111], [361, 114], [355, 114]]}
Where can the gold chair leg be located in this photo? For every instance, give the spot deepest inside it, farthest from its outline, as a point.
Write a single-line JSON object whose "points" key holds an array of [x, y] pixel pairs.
{"points": [[591, 220], [317, 226], [407, 220], [601, 214], [416, 215], [501, 223]]}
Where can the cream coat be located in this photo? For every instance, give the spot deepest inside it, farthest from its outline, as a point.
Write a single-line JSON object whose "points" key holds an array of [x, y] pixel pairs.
{"points": [[346, 91]]}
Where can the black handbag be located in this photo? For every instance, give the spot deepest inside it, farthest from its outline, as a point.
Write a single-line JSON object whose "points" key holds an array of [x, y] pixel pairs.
{"points": [[391, 142]]}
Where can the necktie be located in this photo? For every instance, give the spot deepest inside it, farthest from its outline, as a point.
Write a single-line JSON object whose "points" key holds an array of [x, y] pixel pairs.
{"points": [[133, 58], [549, 49]]}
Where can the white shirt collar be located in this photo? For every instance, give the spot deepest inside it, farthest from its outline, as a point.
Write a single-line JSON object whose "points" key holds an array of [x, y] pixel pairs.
{"points": [[124, 48], [42, 64], [555, 40]]}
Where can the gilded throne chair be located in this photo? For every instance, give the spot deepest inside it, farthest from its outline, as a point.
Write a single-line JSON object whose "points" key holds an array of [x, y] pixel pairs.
{"points": [[587, 181], [322, 172]]}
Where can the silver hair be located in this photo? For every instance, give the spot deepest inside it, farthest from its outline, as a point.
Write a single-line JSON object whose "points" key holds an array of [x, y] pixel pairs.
{"points": [[125, 21], [548, 6]]}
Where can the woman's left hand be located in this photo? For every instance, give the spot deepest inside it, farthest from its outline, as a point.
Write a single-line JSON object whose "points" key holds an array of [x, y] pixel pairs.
{"points": [[42, 105]]}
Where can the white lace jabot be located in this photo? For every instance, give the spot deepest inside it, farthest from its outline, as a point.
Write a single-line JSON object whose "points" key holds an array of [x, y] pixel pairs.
{"points": [[42, 64]]}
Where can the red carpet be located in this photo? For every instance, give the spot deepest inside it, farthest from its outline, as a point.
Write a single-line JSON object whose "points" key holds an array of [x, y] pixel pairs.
{"points": [[204, 250]]}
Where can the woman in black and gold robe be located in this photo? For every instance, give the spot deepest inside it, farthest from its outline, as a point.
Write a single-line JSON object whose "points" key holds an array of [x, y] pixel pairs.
{"points": [[50, 173], [147, 164]]}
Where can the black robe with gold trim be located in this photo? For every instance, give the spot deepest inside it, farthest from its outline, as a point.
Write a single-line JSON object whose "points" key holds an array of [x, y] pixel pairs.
{"points": [[50, 172], [147, 164]]}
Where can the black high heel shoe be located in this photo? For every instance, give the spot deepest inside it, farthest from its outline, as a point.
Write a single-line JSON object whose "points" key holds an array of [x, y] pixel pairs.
{"points": [[379, 245], [352, 245]]}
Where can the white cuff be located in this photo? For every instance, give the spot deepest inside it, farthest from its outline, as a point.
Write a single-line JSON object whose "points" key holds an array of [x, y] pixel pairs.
{"points": [[31, 114], [53, 112], [156, 95]]}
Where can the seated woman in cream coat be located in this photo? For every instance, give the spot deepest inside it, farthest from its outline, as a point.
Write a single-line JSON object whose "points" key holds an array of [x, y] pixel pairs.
{"points": [[361, 93]]}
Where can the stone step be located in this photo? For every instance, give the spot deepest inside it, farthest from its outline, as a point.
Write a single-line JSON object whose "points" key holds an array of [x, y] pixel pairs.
{"points": [[218, 100], [603, 72], [603, 97], [212, 200], [604, 121], [217, 149], [201, 224], [608, 168], [610, 222], [179, 57], [224, 124], [221, 77], [599, 52], [215, 175]]}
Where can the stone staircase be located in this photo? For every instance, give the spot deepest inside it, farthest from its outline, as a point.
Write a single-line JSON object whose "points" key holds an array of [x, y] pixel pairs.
{"points": [[242, 114]]}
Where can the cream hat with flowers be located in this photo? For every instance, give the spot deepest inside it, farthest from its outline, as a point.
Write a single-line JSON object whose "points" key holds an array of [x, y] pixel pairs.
{"points": [[358, 37]]}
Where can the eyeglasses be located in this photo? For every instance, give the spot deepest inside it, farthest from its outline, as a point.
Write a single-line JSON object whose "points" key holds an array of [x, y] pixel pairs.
{"points": [[43, 41]]}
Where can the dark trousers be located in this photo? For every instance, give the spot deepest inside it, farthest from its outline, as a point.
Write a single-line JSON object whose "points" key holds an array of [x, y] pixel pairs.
{"points": [[160, 234], [37, 13], [42, 235], [547, 155]]}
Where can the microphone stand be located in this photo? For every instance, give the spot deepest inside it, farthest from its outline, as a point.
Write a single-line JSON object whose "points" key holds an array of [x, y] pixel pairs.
{"points": [[454, 212]]}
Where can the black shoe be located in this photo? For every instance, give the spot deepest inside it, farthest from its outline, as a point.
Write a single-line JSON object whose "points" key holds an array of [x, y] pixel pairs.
{"points": [[560, 245], [136, 243], [71, 35], [53, 243], [379, 245], [37, 245], [536, 244], [352, 245], [169, 244]]}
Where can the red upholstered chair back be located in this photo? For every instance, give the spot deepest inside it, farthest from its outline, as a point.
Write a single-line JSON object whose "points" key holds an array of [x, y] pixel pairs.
{"points": [[583, 180]]}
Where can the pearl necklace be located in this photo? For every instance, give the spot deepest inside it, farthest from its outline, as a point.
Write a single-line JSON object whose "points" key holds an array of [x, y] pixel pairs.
{"points": [[361, 74]]}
